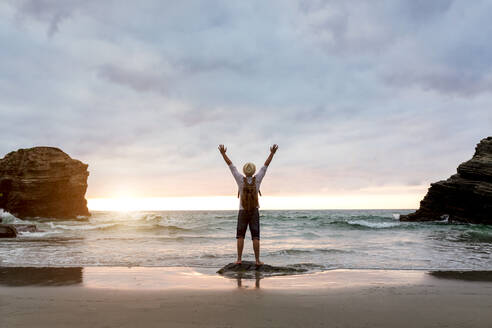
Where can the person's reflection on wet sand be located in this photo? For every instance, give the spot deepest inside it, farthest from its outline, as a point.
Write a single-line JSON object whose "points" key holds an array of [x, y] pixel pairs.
{"points": [[239, 278]]}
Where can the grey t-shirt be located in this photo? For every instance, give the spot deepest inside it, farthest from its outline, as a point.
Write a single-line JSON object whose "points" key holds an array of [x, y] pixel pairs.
{"points": [[239, 179]]}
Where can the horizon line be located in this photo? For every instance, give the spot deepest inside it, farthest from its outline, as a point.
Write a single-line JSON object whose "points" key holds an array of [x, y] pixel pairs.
{"points": [[224, 203], [268, 209]]}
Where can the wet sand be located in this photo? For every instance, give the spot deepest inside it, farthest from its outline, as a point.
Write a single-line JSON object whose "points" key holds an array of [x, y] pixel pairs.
{"points": [[183, 297]]}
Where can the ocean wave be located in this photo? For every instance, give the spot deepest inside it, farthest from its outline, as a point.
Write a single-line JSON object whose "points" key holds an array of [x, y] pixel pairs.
{"points": [[152, 227], [307, 266], [217, 256], [310, 235], [332, 250], [151, 218], [183, 238], [291, 252], [366, 224], [297, 251], [146, 238], [161, 227], [234, 216], [47, 238], [375, 225], [475, 237], [38, 234], [157, 223], [103, 226], [7, 218]]}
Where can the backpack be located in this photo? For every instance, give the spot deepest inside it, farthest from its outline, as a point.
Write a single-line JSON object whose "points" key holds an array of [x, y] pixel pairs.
{"points": [[249, 196]]}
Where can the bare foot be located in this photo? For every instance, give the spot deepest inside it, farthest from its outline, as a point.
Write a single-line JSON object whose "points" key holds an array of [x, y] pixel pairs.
{"points": [[258, 263], [238, 262]]}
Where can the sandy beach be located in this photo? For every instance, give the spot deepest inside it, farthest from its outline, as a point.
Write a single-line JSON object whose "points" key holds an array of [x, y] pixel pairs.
{"points": [[182, 297]]}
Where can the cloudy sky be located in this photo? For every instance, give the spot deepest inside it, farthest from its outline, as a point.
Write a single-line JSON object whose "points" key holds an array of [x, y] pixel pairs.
{"points": [[363, 97]]}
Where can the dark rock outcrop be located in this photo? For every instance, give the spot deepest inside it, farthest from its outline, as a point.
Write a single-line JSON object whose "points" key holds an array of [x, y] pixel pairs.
{"points": [[248, 269], [43, 182], [465, 196], [7, 231]]}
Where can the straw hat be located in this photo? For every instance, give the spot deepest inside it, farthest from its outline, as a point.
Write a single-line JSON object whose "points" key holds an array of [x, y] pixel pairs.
{"points": [[249, 169]]}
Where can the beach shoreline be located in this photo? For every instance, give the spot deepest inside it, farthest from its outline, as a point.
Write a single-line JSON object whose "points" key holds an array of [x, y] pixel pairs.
{"points": [[184, 297]]}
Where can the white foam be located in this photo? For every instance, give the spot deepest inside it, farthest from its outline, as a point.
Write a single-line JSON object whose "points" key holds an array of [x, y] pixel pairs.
{"points": [[445, 218], [37, 234], [377, 225], [10, 219], [80, 227]]}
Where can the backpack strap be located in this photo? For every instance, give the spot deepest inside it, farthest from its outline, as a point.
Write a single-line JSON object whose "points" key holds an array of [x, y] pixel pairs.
{"points": [[244, 179], [238, 190], [254, 181]]}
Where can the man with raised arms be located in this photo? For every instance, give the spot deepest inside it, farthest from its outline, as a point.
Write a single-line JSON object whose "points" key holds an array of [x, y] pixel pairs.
{"points": [[249, 187]]}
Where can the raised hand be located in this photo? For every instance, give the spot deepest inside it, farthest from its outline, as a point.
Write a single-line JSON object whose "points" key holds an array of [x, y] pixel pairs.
{"points": [[223, 150], [273, 149]]}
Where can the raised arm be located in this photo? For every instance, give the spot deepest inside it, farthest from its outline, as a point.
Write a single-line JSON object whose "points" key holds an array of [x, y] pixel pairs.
{"points": [[273, 149], [223, 150]]}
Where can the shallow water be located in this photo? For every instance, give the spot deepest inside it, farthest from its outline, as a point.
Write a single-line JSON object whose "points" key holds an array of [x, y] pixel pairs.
{"points": [[316, 240]]}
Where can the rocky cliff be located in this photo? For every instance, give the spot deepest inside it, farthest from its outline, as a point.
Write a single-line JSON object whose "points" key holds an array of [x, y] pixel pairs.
{"points": [[465, 196], [43, 182]]}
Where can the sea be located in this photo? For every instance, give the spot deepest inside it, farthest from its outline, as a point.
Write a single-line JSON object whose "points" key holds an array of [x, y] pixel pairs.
{"points": [[316, 240]]}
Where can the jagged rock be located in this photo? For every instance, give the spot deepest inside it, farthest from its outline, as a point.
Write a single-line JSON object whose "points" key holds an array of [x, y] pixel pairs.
{"points": [[43, 182], [465, 196], [250, 269], [7, 231]]}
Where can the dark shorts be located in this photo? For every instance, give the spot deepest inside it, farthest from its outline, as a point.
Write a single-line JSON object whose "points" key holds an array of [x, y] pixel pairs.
{"points": [[251, 218]]}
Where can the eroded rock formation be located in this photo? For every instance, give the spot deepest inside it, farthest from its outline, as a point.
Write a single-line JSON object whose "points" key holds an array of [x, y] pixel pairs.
{"points": [[465, 196], [43, 182]]}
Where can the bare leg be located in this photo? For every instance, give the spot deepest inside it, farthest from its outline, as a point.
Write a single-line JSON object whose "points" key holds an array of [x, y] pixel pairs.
{"points": [[240, 246], [256, 247]]}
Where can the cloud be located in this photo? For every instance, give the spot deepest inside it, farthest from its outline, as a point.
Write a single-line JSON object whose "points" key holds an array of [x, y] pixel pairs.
{"points": [[140, 81], [49, 11], [422, 10], [444, 80], [358, 94]]}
